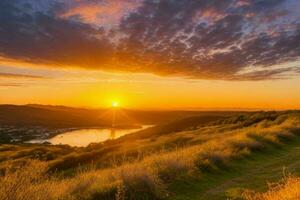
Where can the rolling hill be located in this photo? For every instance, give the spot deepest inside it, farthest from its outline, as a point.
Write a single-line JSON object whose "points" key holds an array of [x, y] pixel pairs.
{"points": [[200, 158]]}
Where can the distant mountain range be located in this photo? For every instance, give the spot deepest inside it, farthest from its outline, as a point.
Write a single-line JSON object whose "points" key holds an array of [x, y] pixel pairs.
{"points": [[62, 116]]}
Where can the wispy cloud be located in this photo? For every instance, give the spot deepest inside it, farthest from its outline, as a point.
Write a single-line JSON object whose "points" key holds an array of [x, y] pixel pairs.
{"points": [[10, 85], [20, 76]]}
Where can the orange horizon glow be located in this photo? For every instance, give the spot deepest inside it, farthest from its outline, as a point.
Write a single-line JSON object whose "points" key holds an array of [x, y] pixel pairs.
{"points": [[94, 89]]}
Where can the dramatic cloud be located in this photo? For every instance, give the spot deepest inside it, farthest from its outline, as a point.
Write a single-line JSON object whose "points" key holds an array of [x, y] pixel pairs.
{"points": [[105, 12], [207, 39]]}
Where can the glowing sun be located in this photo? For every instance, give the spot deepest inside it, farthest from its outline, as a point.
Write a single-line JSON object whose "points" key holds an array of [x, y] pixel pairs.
{"points": [[115, 104]]}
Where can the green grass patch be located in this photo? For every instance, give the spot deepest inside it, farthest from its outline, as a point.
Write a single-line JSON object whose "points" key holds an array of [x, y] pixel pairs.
{"points": [[251, 172]]}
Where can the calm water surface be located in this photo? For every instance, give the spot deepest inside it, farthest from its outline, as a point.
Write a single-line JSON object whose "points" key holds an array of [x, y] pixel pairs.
{"points": [[84, 137]]}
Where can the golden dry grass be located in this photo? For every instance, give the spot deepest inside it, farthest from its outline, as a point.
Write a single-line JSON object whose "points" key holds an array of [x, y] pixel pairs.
{"points": [[145, 178], [287, 189], [30, 182]]}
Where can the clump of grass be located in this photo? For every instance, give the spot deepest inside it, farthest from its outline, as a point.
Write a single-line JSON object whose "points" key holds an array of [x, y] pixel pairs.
{"points": [[171, 165], [210, 161], [287, 189], [94, 186], [29, 182], [141, 183], [242, 142]]}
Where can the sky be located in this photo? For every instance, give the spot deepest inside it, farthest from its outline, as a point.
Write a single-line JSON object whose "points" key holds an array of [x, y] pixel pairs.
{"points": [[151, 54]]}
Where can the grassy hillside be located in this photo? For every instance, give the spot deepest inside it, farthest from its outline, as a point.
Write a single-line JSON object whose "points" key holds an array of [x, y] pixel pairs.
{"points": [[251, 173], [212, 159]]}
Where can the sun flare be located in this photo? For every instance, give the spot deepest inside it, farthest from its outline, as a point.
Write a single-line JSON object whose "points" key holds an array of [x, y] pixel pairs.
{"points": [[115, 104]]}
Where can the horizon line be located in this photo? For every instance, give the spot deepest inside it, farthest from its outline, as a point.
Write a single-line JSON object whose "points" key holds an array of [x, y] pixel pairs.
{"points": [[158, 109]]}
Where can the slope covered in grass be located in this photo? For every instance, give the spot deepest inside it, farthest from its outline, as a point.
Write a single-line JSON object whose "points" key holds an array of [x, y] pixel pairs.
{"points": [[252, 172], [158, 166]]}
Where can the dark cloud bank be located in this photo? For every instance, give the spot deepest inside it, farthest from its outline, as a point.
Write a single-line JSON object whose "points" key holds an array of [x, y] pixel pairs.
{"points": [[205, 39]]}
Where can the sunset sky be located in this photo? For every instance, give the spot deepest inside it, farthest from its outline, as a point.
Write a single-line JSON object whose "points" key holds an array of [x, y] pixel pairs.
{"points": [[151, 54]]}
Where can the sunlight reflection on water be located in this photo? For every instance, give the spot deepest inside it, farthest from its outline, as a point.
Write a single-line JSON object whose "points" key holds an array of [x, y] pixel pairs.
{"points": [[84, 137]]}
